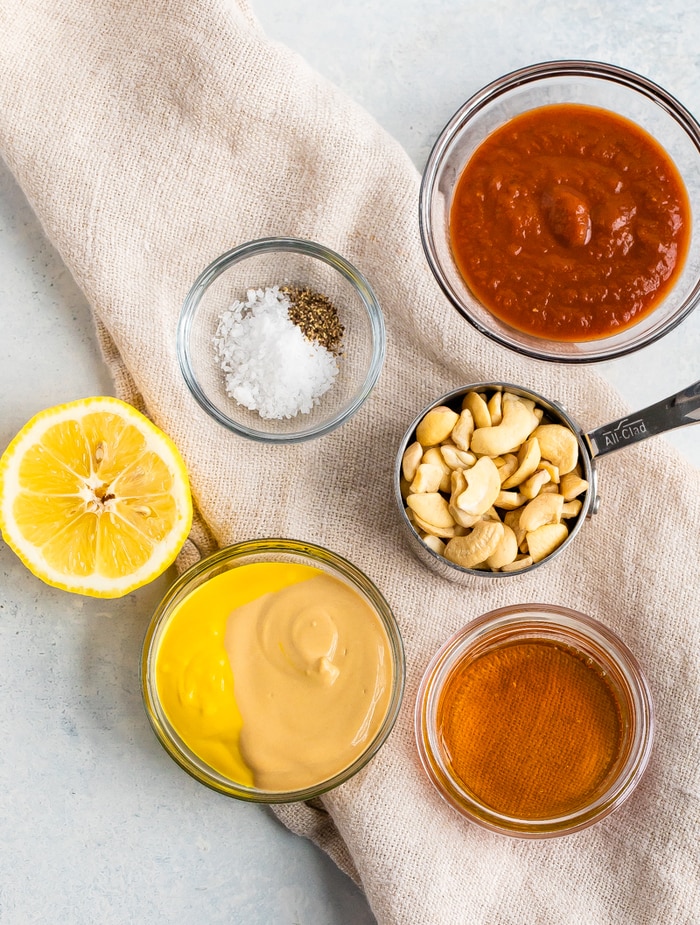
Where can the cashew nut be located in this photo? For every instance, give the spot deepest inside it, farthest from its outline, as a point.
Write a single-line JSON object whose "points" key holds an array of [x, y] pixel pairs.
{"points": [[553, 471], [436, 425], [571, 509], [507, 466], [459, 485], [520, 563], [463, 429], [559, 445], [495, 406], [433, 456], [531, 487], [474, 548], [427, 478], [483, 487], [427, 529], [434, 543], [516, 426], [505, 552], [528, 460], [431, 507], [464, 520], [410, 461], [509, 500], [545, 539], [456, 458], [544, 509], [479, 409], [512, 520], [528, 402], [572, 485]]}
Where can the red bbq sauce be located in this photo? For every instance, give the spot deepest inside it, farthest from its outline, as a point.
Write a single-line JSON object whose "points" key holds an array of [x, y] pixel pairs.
{"points": [[570, 223]]}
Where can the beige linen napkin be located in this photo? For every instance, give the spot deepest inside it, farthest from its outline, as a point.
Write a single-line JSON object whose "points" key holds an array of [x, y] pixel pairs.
{"points": [[152, 135]]}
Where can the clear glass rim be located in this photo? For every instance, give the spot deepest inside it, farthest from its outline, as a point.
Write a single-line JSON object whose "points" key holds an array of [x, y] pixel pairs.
{"points": [[474, 105], [553, 621], [216, 563], [289, 245]]}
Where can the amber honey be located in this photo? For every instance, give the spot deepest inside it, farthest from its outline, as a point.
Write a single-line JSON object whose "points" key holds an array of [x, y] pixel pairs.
{"points": [[532, 729], [534, 720]]}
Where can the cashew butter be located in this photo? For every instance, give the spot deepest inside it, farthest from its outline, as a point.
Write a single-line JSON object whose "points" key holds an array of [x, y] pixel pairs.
{"points": [[278, 675]]}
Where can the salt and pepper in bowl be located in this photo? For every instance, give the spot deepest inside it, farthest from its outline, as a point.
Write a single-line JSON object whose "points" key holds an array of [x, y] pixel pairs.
{"points": [[281, 340], [279, 350]]}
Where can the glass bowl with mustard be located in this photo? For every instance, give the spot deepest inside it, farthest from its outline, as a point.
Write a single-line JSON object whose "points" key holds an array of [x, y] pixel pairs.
{"points": [[281, 340], [558, 211], [273, 670]]}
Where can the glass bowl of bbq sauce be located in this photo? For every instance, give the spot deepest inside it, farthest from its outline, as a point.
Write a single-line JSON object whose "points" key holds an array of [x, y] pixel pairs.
{"points": [[534, 721], [558, 211]]}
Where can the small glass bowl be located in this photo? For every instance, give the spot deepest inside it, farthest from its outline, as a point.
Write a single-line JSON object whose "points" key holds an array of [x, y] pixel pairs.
{"points": [[577, 635], [585, 82], [231, 557], [271, 262]]}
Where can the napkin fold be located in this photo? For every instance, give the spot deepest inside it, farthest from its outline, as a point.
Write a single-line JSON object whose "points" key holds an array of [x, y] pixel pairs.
{"points": [[153, 135]]}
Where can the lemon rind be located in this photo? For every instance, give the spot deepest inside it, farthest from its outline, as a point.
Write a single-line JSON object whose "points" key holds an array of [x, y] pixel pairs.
{"points": [[164, 552]]}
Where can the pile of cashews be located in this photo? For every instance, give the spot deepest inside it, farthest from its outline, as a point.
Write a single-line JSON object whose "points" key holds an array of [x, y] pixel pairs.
{"points": [[492, 486]]}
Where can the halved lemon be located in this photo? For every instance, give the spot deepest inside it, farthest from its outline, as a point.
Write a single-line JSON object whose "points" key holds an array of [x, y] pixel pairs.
{"points": [[94, 498]]}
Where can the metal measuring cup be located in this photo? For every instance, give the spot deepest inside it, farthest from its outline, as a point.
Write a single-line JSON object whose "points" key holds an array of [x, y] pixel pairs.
{"points": [[677, 410]]}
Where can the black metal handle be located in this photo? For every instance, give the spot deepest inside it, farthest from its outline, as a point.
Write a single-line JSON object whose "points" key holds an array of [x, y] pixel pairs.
{"points": [[677, 410]]}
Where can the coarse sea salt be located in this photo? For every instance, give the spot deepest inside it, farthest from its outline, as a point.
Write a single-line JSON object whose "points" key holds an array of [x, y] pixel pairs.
{"points": [[269, 365]]}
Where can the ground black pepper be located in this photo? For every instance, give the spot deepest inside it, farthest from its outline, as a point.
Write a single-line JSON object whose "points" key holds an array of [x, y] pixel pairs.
{"points": [[317, 317]]}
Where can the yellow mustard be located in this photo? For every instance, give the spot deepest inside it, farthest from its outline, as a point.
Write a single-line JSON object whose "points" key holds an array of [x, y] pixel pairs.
{"points": [[275, 674]]}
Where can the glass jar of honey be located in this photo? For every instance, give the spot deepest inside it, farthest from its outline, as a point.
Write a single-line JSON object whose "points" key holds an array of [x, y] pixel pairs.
{"points": [[534, 720]]}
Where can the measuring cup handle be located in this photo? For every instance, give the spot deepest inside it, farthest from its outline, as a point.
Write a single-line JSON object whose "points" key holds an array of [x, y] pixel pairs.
{"points": [[675, 411]]}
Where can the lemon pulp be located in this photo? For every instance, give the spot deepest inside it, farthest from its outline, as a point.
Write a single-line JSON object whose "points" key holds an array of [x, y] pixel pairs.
{"points": [[94, 498]]}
